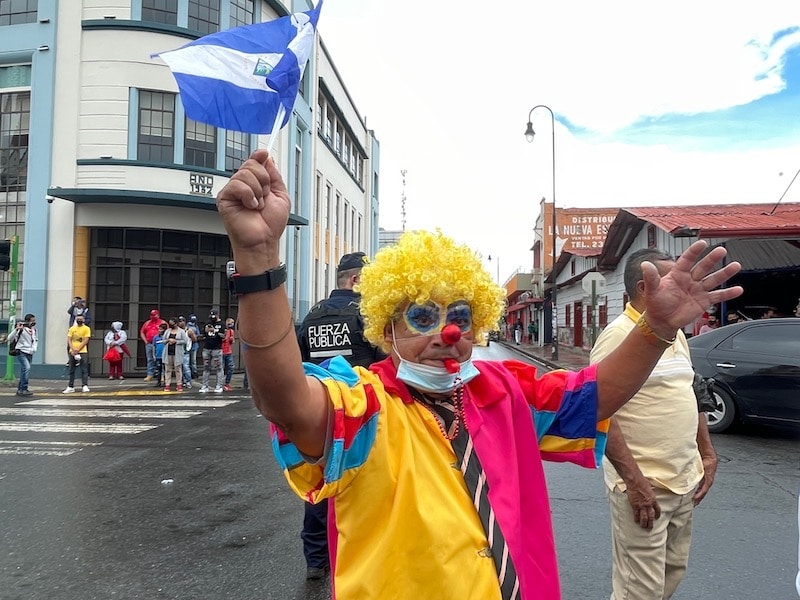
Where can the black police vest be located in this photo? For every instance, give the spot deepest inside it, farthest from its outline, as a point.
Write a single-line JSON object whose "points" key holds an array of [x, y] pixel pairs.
{"points": [[333, 332]]}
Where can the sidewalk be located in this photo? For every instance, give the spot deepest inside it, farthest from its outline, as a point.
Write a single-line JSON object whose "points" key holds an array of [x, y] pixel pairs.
{"points": [[102, 386], [568, 357]]}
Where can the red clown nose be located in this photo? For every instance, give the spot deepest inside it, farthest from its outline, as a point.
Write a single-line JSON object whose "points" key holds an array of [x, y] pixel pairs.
{"points": [[451, 334]]}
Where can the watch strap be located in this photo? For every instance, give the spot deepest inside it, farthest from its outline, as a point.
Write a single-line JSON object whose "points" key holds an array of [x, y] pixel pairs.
{"points": [[247, 284]]}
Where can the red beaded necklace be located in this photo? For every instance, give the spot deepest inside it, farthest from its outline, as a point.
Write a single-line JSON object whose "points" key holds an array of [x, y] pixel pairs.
{"points": [[457, 398]]}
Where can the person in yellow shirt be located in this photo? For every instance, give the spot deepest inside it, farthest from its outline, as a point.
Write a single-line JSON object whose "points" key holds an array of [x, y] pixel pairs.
{"points": [[77, 341], [659, 462]]}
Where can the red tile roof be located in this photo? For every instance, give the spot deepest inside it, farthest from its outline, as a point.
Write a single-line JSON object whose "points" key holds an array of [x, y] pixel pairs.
{"points": [[724, 220]]}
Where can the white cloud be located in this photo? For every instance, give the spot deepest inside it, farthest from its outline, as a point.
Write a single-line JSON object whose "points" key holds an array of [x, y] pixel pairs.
{"points": [[448, 93]]}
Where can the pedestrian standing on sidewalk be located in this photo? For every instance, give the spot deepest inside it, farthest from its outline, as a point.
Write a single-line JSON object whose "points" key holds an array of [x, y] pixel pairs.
{"points": [[77, 308], [227, 352], [115, 339], [27, 341], [77, 346], [518, 332], [158, 352], [213, 335], [186, 367], [191, 326], [147, 332], [174, 341]]}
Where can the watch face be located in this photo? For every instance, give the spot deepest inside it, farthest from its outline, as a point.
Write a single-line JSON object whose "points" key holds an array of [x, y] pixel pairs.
{"points": [[230, 268]]}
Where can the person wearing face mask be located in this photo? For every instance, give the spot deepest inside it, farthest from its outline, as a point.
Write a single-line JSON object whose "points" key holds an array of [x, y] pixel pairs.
{"points": [[333, 327], [214, 333], [27, 341], [433, 460], [77, 341]]}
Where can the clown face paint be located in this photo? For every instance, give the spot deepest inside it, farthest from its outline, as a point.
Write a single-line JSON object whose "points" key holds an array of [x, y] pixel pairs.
{"points": [[430, 318]]}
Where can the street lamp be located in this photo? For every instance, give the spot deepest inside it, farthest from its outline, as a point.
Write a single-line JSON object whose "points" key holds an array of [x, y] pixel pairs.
{"points": [[529, 135], [498, 268]]}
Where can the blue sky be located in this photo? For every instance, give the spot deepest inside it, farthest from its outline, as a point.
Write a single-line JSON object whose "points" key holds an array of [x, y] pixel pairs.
{"points": [[656, 104]]}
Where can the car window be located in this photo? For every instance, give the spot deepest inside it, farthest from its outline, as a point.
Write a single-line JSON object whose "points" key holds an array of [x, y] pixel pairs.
{"points": [[766, 339]]}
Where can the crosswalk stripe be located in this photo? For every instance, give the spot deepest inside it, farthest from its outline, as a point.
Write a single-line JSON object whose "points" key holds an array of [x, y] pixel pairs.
{"points": [[43, 448], [79, 427], [106, 413], [167, 402]]}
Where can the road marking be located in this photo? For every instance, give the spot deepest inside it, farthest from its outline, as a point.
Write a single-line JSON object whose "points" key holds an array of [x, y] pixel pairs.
{"points": [[102, 413], [42, 448], [199, 403], [92, 414], [79, 427]]}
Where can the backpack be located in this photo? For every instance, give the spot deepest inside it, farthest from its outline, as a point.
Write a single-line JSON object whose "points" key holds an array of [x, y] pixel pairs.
{"points": [[12, 347]]}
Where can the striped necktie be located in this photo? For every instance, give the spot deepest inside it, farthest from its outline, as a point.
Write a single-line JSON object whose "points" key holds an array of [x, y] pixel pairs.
{"points": [[475, 478]]}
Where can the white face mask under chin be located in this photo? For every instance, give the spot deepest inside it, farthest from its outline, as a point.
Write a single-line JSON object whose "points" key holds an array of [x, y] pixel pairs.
{"points": [[432, 379]]}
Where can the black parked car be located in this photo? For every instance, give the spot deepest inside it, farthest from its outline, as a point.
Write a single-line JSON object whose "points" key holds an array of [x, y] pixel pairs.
{"points": [[756, 365]]}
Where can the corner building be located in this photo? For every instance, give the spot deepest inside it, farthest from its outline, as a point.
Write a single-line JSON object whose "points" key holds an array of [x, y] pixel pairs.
{"points": [[110, 187]]}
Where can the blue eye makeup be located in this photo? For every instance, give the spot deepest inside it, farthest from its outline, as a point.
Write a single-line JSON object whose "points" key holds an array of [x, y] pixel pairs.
{"points": [[423, 318], [459, 315], [428, 318]]}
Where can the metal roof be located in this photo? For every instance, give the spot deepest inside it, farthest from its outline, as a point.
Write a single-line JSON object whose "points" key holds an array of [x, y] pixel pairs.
{"points": [[733, 221], [724, 220], [764, 255]]}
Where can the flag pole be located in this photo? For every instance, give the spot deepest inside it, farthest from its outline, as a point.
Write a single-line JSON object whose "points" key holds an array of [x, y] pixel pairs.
{"points": [[276, 128]]}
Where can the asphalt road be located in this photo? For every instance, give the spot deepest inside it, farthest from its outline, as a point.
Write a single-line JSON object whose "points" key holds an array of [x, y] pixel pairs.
{"points": [[195, 508]]}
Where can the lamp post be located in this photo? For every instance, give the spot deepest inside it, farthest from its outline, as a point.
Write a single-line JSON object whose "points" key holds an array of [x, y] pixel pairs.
{"points": [[498, 268], [529, 135]]}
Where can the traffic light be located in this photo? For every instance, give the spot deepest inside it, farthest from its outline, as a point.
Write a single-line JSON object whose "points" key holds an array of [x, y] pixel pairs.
{"points": [[5, 255]]}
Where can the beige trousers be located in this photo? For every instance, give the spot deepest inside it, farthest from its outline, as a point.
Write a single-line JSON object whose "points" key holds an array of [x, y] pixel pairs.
{"points": [[649, 565]]}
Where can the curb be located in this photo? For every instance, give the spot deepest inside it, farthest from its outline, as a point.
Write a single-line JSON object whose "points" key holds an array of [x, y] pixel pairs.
{"points": [[533, 356]]}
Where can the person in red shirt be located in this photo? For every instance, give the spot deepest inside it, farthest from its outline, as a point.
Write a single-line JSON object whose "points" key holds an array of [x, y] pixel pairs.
{"points": [[147, 332], [227, 352]]}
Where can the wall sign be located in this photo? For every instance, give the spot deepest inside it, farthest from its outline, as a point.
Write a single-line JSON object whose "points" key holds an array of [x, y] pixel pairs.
{"points": [[201, 185]]}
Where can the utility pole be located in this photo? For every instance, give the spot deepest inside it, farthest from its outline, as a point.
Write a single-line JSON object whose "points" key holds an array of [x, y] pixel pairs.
{"points": [[403, 199], [12, 303]]}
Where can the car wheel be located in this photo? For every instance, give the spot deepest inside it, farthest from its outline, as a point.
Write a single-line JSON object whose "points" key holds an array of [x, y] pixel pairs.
{"points": [[724, 416]]}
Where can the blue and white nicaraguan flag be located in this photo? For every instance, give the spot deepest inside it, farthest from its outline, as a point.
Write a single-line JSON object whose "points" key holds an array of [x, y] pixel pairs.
{"points": [[246, 78]]}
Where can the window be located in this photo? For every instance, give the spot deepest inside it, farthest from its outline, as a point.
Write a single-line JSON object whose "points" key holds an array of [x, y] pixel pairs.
{"points": [[567, 316], [156, 127], [346, 153], [15, 12], [651, 236], [200, 145], [768, 340], [204, 16], [15, 116], [242, 12], [298, 163], [237, 149], [337, 146], [160, 11]]}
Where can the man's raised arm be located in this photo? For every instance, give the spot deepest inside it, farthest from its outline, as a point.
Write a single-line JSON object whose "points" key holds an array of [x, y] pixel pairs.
{"points": [[255, 206], [671, 302]]}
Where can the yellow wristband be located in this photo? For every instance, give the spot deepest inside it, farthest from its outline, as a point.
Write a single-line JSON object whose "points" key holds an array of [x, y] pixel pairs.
{"points": [[652, 335]]}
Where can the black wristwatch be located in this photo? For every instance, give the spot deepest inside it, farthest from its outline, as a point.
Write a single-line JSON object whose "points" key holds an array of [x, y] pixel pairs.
{"points": [[247, 284]]}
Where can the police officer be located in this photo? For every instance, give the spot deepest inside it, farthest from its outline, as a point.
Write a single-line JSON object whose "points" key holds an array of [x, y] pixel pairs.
{"points": [[333, 327]]}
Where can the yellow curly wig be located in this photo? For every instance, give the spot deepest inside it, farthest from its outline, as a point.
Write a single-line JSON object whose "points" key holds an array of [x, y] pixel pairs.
{"points": [[425, 266]]}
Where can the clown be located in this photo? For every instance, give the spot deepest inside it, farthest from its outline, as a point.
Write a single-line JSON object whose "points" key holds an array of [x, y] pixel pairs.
{"points": [[432, 461]]}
